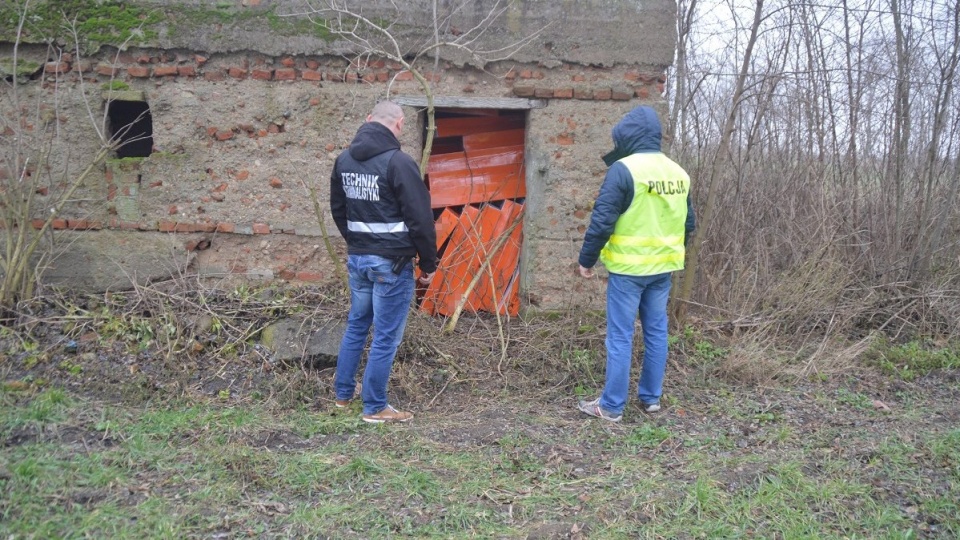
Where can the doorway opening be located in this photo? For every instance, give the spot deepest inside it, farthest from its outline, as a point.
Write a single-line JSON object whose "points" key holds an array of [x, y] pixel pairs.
{"points": [[477, 184]]}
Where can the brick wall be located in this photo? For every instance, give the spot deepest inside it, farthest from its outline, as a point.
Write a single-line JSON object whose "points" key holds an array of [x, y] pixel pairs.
{"points": [[240, 138]]}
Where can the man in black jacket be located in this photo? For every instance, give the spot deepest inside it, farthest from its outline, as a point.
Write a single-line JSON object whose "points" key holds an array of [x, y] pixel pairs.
{"points": [[382, 208]]}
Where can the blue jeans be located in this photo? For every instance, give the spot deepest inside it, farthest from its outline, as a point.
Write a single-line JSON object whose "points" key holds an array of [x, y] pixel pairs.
{"points": [[626, 297], [380, 298]]}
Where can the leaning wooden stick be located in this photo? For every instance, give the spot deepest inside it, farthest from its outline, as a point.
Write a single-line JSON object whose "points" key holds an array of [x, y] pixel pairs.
{"points": [[452, 322]]}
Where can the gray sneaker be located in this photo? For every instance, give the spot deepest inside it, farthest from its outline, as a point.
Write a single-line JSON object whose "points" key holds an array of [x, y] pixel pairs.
{"points": [[593, 408], [651, 407]]}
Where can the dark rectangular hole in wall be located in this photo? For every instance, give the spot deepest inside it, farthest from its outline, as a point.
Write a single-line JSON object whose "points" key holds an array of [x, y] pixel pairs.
{"points": [[132, 127]]}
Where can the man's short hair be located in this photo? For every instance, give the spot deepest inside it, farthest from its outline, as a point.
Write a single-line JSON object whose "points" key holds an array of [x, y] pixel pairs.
{"points": [[386, 112]]}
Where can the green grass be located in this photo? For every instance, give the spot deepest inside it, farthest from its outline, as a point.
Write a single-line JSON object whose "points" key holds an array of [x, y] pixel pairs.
{"points": [[200, 467], [914, 358]]}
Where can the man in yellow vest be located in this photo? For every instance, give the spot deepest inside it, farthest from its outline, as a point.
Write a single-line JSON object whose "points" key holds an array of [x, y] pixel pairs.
{"points": [[638, 229]]}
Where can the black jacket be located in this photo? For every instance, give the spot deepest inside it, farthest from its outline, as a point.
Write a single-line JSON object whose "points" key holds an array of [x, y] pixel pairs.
{"points": [[379, 201]]}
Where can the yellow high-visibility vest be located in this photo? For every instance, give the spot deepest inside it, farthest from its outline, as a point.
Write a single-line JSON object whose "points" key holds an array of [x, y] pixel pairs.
{"points": [[648, 237]]}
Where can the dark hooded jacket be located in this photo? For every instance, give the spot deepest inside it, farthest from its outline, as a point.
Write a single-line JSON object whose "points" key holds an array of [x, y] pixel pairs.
{"points": [[638, 132], [379, 201]]}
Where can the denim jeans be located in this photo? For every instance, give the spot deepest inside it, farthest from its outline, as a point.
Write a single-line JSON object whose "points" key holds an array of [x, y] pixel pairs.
{"points": [[626, 297], [380, 298]]}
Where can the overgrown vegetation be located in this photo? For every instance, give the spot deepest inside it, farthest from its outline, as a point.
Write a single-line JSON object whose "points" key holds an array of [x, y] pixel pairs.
{"points": [[109, 406]]}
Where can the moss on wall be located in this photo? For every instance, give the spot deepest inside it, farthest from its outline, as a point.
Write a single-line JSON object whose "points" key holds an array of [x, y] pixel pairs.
{"points": [[24, 67], [97, 22], [115, 22]]}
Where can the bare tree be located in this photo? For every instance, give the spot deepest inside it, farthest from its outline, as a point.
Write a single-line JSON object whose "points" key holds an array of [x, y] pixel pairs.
{"points": [[825, 163], [39, 172]]}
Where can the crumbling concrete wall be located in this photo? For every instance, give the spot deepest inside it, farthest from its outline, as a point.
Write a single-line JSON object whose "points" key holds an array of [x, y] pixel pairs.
{"points": [[245, 122]]}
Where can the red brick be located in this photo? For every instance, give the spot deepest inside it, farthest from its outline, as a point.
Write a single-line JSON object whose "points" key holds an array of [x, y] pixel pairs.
{"points": [[383, 76], [143, 59], [287, 61], [205, 227], [335, 76], [621, 93], [369, 77], [273, 128], [276, 183], [262, 74], [524, 91], [633, 76], [543, 93], [237, 73], [314, 101], [59, 223], [565, 139], [138, 71], [201, 60], [156, 184], [129, 226], [582, 93], [312, 75], [526, 74], [165, 71], [56, 67], [224, 135], [37, 223], [377, 63], [214, 76], [312, 64], [226, 227], [579, 78], [261, 228], [404, 76], [107, 70], [643, 92], [309, 276], [285, 74], [212, 131], [661, 88], [286, 273], [173, 210], [242, 175], [111, 192], [167, 226], [351, 77], [187, 71], [565, 93], [538, 74], [602, 93]]}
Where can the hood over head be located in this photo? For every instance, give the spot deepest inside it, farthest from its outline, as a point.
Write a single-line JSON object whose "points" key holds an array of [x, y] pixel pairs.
{"points": [[372, 139], [638, 131]]}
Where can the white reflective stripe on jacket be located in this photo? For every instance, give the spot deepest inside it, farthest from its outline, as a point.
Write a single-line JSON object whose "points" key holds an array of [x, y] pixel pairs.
{"points": [[377, 228]]}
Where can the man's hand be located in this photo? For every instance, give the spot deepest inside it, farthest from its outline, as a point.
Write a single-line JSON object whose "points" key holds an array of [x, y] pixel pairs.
{"points": [[586, 272], [426, 278]]}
